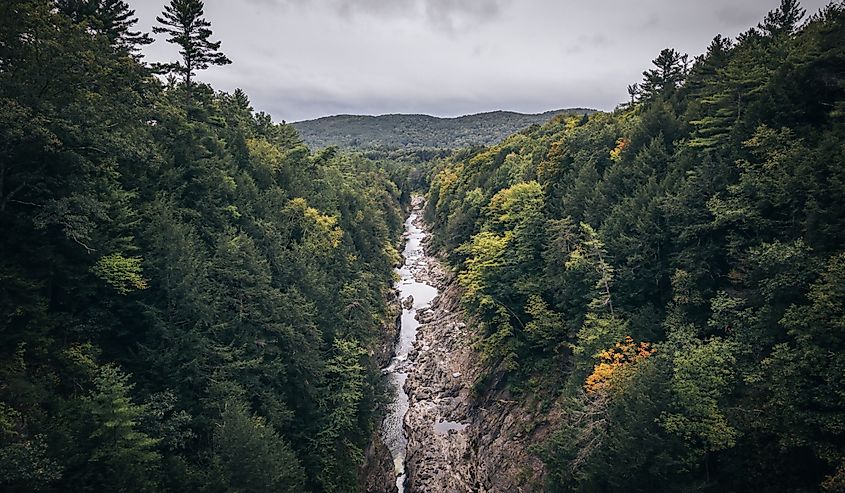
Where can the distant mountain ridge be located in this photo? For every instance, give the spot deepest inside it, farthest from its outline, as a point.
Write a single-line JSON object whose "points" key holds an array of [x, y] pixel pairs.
{"points": [[417, 131]]}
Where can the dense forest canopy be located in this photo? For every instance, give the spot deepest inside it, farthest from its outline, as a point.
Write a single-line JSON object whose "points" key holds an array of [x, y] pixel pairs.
{"points": [[669, 276], [418, 132], [191, 297], [188, 295]]}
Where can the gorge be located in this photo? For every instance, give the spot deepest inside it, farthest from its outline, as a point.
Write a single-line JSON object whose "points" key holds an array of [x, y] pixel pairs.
{"points": [[195, 297]]}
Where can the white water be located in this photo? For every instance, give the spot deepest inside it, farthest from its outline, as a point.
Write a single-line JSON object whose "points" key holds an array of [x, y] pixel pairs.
{"points": [[393, 433]]}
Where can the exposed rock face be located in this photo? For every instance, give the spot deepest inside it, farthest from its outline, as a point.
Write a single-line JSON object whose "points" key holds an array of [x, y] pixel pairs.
{"points": [[457, 441], [377, 475]]}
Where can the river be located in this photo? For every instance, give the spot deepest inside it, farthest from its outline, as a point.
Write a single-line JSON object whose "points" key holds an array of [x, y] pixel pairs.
{"points": [[393, 432]]}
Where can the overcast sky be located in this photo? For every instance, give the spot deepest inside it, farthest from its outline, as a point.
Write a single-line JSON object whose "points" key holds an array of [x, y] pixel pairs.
{"points": [[302, 59]]}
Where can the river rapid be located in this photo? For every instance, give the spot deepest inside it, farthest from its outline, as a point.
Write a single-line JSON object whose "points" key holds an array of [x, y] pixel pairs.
{"points": [[416, 295], [443, 436]]}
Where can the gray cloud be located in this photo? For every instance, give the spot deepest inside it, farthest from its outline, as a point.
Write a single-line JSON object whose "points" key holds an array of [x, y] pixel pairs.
{"points": [[651, 22], [586, 42], [301, 59], [451, 16], [738, 15]]}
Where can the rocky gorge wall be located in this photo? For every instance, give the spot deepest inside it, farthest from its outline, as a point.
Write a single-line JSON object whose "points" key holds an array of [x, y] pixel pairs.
{"points": [[376, 475], [459, 441]]}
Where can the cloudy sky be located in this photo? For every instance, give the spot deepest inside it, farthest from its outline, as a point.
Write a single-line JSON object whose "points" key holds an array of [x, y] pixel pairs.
{"points": [[302, 59]]}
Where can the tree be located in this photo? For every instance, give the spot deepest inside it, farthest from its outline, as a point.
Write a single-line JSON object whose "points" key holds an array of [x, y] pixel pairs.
{"points": [[183, 22], [713, 111], [671, 68], [633, 93], [784, 19], [703, 373], [801, 379], [339, 452], [122, 458], [251, 457], [113, 18]]}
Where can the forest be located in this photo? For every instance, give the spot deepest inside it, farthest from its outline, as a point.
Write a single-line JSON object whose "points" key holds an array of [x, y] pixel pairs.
{"points": [[669, 276], [189, 296], [192, 296], [391, 133]]}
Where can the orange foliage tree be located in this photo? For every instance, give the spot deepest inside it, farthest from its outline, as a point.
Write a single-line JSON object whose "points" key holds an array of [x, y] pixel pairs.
{"points": [[614, 361]]}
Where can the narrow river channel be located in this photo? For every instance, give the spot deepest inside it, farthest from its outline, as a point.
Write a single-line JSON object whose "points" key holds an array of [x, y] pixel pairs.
{"points": [[393, 432]]}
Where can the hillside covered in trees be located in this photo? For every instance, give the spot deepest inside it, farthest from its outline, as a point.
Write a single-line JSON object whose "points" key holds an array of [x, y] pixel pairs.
{"points": [[414, 132], [192, 296], [189, 296], [669, 277]]}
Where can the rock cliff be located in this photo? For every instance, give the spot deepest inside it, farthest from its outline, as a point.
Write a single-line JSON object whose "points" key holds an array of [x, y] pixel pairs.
{"points": [[459, 441]]}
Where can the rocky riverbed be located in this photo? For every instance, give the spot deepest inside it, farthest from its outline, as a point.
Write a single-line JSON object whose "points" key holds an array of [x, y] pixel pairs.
{"points": [[455, 440]]}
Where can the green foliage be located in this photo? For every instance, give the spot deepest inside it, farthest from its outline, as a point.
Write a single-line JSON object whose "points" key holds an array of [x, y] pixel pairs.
{"points": [[25, 465], [173, 277], [700, 228], [183, 22], [189, 296], [112, 18], [802, 376], [123, 274], [420, 133], [121, 456], [703, 374], [250, 456], [664, 79], [336, 442]]}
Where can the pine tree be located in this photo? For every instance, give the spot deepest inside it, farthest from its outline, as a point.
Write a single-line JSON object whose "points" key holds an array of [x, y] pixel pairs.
{"points": [[183, 22], [113, 18], [713, 111], [666, 77], [784, 19], [250, 456], [123, 458], [336, 442]]}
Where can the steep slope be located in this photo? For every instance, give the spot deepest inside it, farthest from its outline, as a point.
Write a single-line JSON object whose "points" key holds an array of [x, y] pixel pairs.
{"points": [[190, 300], [664, 281], [460, 440]]}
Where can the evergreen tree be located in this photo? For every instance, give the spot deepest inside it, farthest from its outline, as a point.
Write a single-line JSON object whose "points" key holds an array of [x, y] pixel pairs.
{"points": [[783, 20], [113, 18], [686, 333], [670, 70], [122, 457], [183, 22], [251, 457]]}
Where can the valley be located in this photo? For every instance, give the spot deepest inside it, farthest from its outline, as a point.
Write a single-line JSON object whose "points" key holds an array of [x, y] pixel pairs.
{"points": [[196, 296]]}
